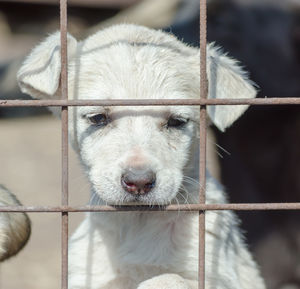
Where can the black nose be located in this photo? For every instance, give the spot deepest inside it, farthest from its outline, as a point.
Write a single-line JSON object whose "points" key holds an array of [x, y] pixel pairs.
{"points": [[138, 181]]}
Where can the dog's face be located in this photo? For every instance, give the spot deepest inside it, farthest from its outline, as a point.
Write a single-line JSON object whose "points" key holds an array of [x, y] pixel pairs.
{"points": [[135, 154]]}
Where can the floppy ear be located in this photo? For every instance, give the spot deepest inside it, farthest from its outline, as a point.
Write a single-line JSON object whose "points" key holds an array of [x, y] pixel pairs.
{"points": [[39, 76], [226, 80]]}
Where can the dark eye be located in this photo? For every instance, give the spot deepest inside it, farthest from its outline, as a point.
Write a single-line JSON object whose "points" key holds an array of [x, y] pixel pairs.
{"points": [[99, 119], [176, 122]]}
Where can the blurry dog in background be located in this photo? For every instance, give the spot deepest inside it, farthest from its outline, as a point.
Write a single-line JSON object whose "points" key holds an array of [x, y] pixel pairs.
{"points": [[14, 227]]}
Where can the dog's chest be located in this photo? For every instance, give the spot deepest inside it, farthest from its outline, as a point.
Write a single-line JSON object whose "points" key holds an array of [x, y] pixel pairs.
{"points": [[156, 239]]}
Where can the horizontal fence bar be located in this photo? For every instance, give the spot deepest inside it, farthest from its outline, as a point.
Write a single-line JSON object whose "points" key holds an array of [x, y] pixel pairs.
{"points": [[180, 207], [152, 102]]}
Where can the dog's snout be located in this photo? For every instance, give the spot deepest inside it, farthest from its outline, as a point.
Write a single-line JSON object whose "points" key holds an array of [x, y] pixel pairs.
{"points": [[138, 181]]}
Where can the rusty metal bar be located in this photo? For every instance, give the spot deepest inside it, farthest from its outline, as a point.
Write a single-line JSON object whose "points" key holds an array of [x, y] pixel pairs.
{"points": [[150, 102], [202, 144], [64, 125], [180, 207]]}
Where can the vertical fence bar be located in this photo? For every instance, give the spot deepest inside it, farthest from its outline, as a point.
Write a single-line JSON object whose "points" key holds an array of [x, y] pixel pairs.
{"points": [[64, 123], [202, 156]]}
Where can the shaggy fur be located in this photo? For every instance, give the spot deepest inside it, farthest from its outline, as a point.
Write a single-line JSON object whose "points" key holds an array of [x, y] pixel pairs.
{"points": [[145, 250], [14, 227]]}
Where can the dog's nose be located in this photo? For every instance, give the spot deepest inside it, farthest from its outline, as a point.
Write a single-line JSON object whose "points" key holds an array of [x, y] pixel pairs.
{"points": [[138, 181]]}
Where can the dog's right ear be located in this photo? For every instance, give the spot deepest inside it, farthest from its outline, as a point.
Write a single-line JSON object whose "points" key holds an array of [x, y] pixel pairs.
{"points": [[226, 80], [39, 75]]}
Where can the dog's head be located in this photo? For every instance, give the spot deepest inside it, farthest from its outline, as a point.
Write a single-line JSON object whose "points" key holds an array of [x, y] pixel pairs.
{"points": [[135, 153]]}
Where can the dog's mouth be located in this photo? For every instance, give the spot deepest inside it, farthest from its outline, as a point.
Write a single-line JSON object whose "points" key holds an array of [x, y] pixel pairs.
{"points": [[141, 200], [126, 199]]}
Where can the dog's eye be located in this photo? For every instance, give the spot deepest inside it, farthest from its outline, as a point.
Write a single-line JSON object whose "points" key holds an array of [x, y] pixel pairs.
{"points": [[176, 122], [99, 119]]}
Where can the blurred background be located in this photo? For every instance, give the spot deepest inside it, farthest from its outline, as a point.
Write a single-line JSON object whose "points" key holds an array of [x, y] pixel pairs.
{"points": [[263, 159]]}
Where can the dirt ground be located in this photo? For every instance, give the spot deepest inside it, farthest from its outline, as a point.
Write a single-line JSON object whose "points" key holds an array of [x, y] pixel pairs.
{"points": [[30, 167]]}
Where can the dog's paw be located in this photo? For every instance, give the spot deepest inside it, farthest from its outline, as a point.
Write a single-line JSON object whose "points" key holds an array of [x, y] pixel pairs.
{"points": [[165, 281], [14, 227]]}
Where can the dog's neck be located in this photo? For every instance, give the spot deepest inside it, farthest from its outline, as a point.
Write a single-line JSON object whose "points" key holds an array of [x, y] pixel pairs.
{"points": [[127, 234]]}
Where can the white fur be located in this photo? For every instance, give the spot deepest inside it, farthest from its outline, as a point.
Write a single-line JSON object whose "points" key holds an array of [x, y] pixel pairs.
{"points": [[145, 250]]}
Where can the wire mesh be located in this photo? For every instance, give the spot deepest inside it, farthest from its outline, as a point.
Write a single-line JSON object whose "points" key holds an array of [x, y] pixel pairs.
{"points": [[64, 103]]}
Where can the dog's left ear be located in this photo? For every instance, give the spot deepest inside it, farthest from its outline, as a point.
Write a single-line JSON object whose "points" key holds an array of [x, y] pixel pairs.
{"points": [[226, 79], [39, 76]]}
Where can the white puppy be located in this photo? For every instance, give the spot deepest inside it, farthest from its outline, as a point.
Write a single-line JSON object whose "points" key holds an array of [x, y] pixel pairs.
{"points": [[145, 155]]}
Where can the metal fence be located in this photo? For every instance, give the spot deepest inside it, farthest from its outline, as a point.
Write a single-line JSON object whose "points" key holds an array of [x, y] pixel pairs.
{"points": [[202, 102]]}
